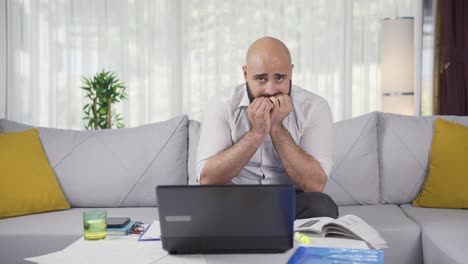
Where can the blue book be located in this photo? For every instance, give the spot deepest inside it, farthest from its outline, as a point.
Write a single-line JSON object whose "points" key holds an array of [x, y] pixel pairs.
{"points": [[121, 231], [316, 255]]}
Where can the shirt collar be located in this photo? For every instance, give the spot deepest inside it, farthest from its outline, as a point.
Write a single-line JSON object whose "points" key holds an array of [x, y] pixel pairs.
{"points": [[245, 98]]}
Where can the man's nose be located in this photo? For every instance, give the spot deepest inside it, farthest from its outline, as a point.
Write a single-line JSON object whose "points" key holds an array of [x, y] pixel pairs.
{"points": [[270, 88]]}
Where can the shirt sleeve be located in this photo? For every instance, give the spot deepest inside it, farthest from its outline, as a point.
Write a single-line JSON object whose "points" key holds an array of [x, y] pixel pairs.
{"points": [[317, 139], [215, 135]]}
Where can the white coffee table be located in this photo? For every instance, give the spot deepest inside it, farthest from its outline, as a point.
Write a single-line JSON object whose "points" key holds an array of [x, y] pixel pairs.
{"points": [[128, 249]]}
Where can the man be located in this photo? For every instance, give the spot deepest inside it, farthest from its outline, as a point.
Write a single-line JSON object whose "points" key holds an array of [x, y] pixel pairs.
{"points": [[268, 131]]}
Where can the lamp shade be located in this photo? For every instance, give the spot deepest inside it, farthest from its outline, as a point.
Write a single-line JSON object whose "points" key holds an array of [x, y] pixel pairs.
{"points": [[397, 64]]}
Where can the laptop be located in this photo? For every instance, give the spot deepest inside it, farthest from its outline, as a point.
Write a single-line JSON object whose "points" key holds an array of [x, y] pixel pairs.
{"points": [[226, 219]]}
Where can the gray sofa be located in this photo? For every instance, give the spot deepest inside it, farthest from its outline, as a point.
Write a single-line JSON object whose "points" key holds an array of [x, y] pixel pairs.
{"points": [[380, 164]]}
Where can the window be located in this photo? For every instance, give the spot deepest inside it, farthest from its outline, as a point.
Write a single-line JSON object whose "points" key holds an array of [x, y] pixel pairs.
{"points": [[173, 55]]}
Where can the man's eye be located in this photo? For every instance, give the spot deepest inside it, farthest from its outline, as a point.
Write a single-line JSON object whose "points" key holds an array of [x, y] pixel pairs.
{"points": [[280, 78], [260, 79]]}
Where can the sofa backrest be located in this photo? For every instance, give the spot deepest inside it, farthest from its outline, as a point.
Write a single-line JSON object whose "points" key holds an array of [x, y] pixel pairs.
{"points": [[378, 158], [354, 178], [404, 144], [119, 167]]}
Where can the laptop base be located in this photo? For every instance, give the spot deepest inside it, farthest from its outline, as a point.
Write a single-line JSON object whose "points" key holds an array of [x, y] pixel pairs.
{"points": [[226, 245]]}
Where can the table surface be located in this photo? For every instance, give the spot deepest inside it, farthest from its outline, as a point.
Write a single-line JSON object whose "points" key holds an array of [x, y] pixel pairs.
{"points": [[127, 249]]}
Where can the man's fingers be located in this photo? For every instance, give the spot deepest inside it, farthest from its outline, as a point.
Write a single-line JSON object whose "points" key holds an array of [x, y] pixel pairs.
{"points": [[261, 105], [266, 106], [266, 115], [284, 101], [274, 100], [270, 104], [255, 104]]}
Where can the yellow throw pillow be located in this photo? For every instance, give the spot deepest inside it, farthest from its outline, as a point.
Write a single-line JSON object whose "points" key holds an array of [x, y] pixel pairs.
{"points": [[27, 183], [446, 184]]}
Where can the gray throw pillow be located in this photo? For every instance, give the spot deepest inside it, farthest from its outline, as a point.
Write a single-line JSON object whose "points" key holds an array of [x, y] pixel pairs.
{"points": [[404, 148], [354, 178], [118, 167]]}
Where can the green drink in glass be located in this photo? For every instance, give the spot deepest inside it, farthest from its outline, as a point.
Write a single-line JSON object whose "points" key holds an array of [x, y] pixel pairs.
{"points": [[94, 224]]}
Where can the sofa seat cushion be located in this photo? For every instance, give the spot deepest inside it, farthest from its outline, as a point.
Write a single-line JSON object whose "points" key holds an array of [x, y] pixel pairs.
{"points": [[69, 222], [38, 234], [115, 167], [444, 233], [401, 233]]}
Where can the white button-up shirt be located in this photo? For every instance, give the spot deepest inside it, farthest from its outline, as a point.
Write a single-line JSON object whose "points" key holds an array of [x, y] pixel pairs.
{"points": [[225, 121]]}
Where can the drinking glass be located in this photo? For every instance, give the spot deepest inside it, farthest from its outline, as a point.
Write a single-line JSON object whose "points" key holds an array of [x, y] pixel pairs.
{"points": [[94, 224]]}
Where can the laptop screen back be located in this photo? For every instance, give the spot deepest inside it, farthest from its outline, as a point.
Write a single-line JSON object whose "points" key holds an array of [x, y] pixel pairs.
{"points": [[226, 219]]}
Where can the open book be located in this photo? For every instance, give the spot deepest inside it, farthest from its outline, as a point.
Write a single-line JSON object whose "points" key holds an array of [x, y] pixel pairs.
{"points": [[348, 226]]}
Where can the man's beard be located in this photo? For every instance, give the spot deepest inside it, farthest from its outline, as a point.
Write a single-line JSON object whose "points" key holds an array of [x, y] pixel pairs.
{"points": [[252, 97]]}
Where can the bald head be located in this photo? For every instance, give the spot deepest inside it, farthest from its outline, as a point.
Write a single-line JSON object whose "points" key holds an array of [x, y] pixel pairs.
{"points": [[268, 46], [268, 68]]}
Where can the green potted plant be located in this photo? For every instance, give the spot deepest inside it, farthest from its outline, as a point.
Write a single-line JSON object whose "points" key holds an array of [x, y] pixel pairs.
{"points": [[104, 90]]}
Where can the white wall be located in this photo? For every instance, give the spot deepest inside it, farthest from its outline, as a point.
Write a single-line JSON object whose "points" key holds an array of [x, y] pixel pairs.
{"points": [[3, 58]]}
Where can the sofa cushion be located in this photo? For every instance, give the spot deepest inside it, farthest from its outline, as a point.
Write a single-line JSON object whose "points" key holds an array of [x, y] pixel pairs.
{"points": [[444, 233], [401, 233], [118, 167], [445, 185], [354, 178], [404, 145], [28, 184], [68, 222], [194, 137]]}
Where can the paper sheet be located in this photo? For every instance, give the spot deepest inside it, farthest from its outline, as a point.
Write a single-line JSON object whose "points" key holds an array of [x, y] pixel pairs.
{"points": [[125, 249], [152, 232]]}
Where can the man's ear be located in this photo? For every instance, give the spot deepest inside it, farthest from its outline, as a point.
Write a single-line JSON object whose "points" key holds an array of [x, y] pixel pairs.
{"points": [[291, 68], [244, 69]]}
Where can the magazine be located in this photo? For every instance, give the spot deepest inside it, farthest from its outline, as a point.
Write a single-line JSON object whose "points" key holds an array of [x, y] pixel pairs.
{"points": [[348, 226], [336, 255]]}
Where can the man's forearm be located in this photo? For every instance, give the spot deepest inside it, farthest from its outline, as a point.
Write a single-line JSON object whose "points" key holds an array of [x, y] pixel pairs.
{"points": [[304, 170], [222, 167]]}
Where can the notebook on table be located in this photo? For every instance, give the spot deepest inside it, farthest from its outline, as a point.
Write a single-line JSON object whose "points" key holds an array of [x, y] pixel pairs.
{"points": [[226, 219]]}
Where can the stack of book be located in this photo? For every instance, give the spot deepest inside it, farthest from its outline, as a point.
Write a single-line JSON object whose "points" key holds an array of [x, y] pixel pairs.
{"points": [[313, 255], [348, 226], [123, 228]]}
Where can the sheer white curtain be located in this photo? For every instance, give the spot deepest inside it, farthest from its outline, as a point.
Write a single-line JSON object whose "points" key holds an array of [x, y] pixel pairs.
{"points": [[51, 44], [324, 45], [174, 54], [2, 58], [218, 33]]}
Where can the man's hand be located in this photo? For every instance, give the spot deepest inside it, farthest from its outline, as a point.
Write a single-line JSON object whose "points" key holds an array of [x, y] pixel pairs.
{"points": [[259, 116], [282, 107], [303, 169]]}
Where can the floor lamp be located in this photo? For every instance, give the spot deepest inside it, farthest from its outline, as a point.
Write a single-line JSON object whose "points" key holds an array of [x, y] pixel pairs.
{"points": [[397, 65]]}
